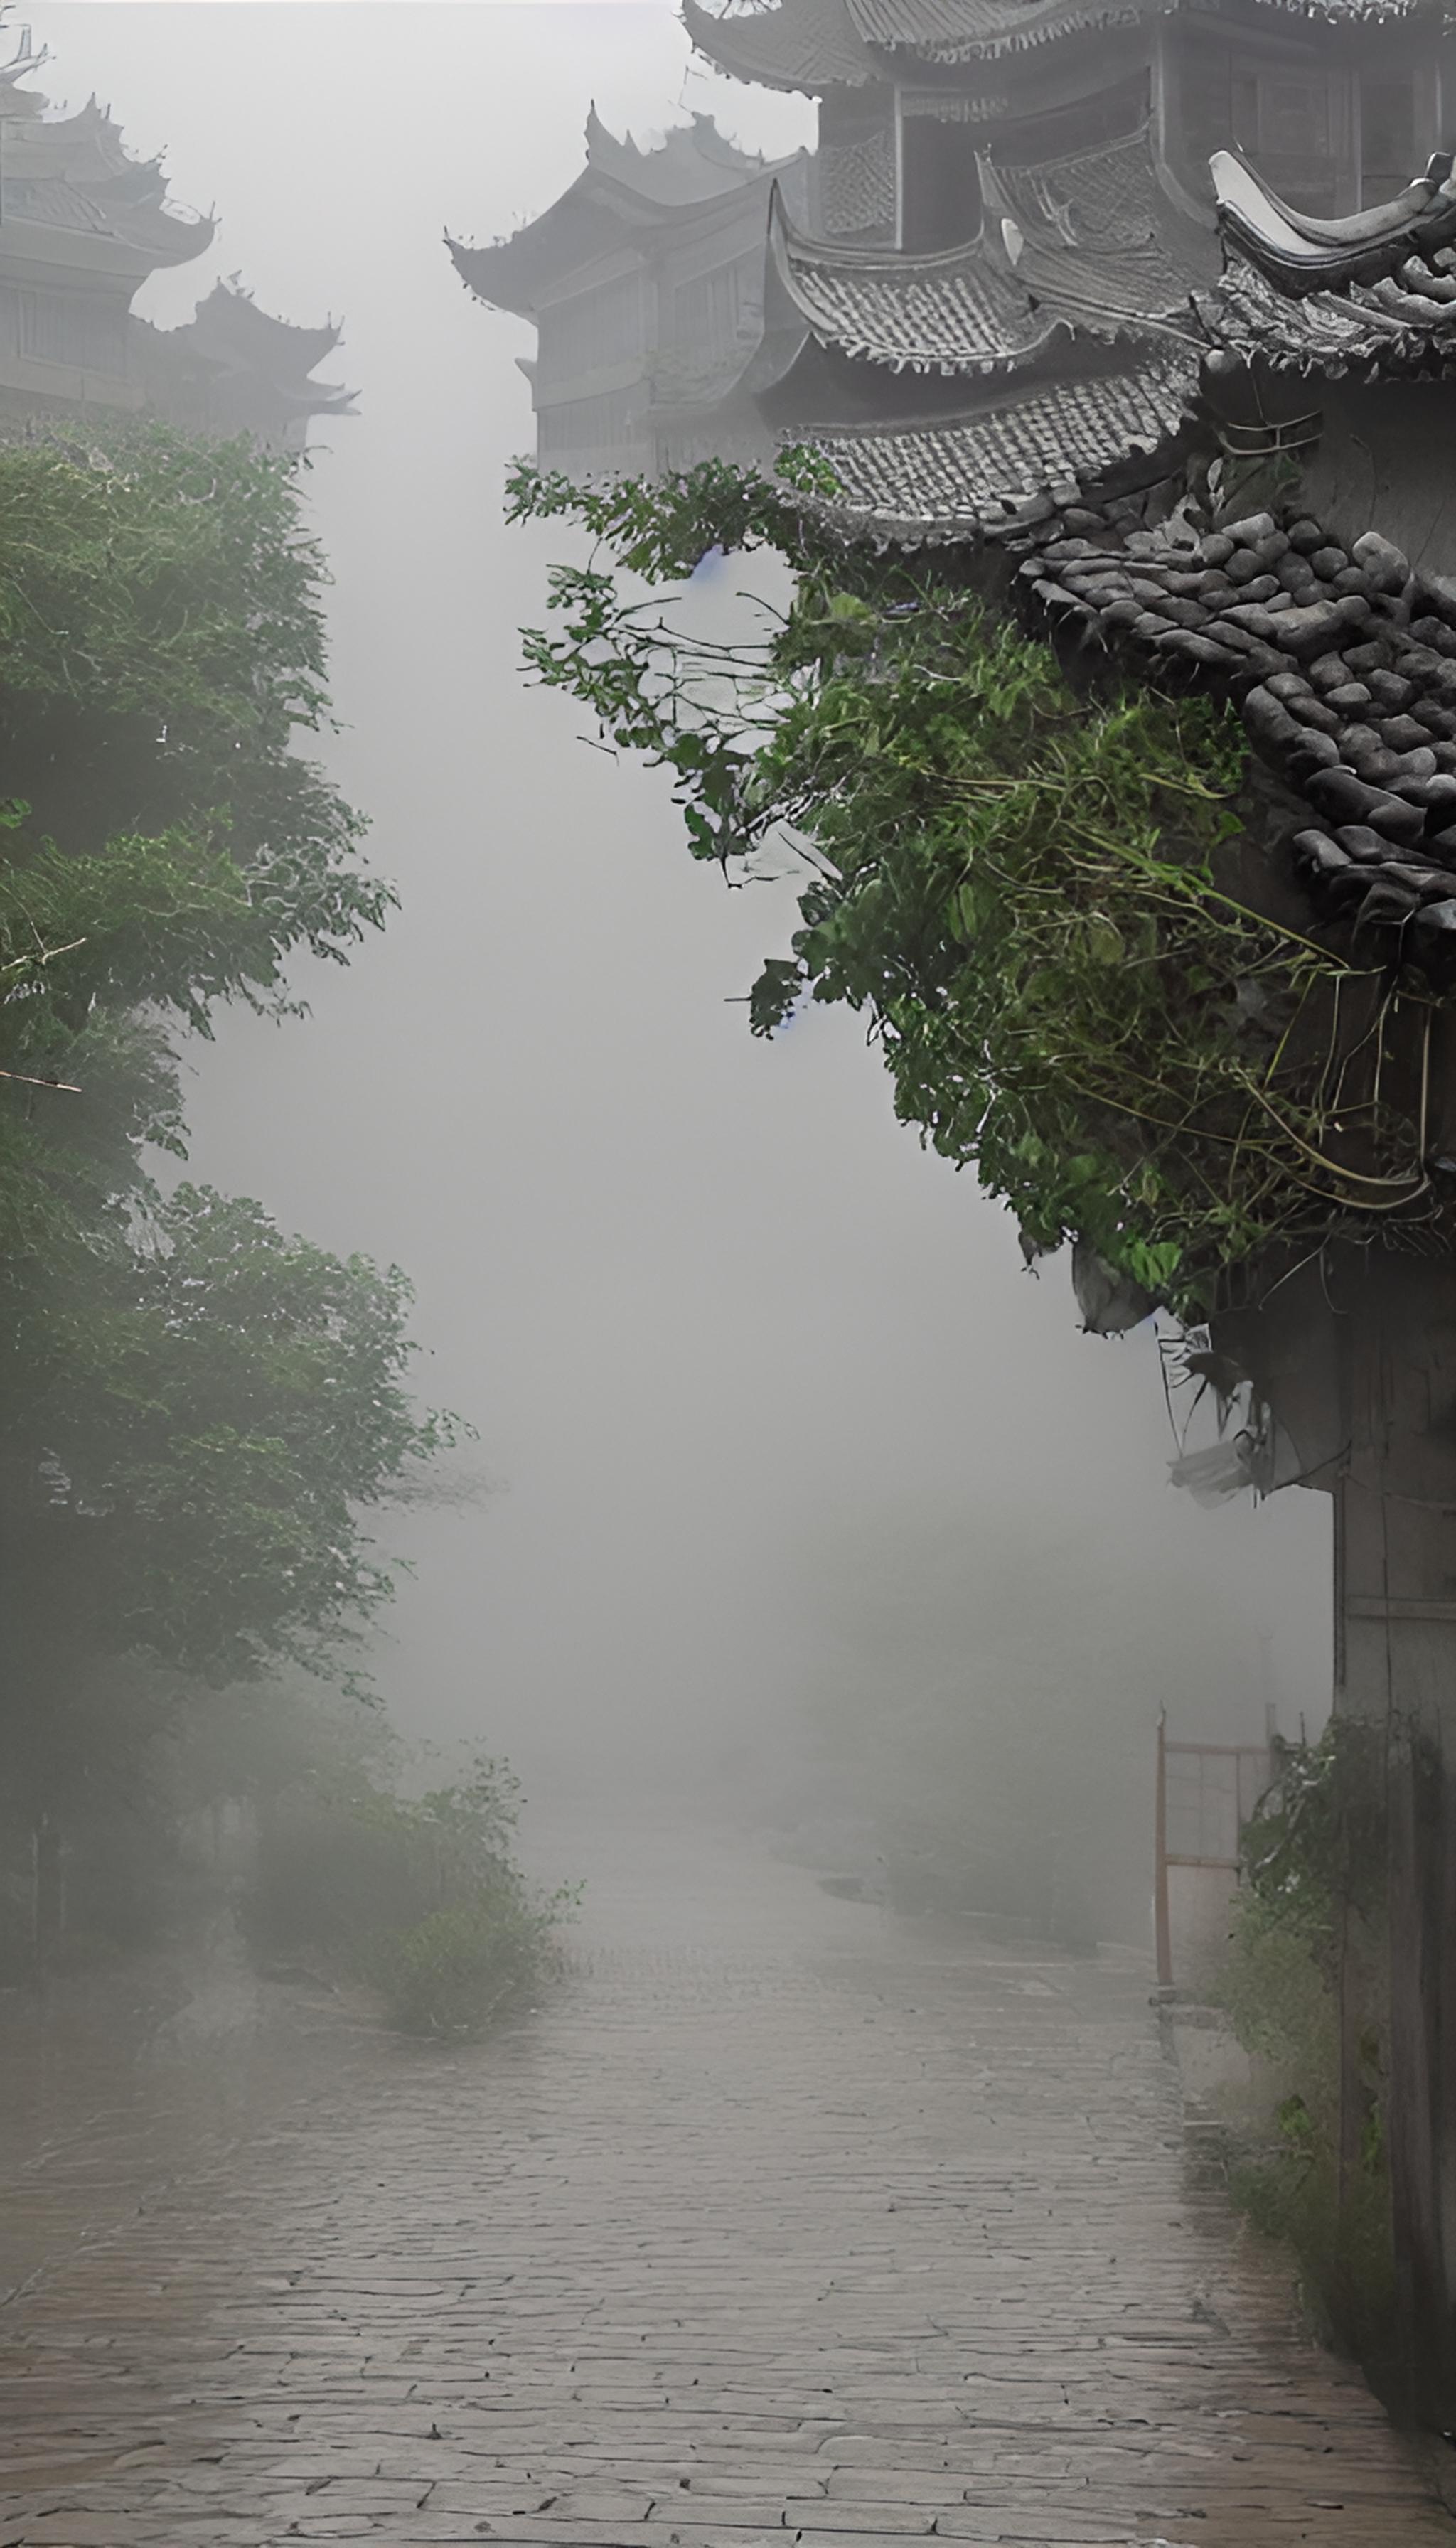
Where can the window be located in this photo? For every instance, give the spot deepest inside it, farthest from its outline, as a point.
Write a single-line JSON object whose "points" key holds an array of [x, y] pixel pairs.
{"points": [[591, 331], [706, 309], [602, 423], [66, 328]]}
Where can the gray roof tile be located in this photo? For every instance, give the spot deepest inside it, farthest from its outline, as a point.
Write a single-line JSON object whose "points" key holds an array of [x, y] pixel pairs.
{"points": [[948, 481]]}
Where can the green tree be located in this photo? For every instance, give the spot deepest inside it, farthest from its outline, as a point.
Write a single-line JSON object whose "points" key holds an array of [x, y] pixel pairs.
{"points": [[200, 1417], [165, 845], [196, 1411], [1030, 888]]}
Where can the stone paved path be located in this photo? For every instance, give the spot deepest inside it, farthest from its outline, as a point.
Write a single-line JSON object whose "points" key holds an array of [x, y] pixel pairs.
{"points": [[782, 2216]]}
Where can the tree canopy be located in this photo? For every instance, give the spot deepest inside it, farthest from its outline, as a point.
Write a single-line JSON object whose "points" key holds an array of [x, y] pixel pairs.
{"points": [[165, 845], [196, 1422], [196, 1409], [1026, 884]]}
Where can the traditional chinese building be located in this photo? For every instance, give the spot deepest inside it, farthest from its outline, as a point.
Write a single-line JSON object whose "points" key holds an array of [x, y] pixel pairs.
{"points": [[645, 284], [916, 96], [83, 225], [1001, 192]]}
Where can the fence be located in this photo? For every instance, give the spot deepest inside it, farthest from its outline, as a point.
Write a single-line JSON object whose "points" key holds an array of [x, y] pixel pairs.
{"points": [[1205, 1794]]}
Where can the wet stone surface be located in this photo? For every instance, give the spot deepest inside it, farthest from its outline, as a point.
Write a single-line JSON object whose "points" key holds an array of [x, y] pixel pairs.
{"points": [[780, 2216]]}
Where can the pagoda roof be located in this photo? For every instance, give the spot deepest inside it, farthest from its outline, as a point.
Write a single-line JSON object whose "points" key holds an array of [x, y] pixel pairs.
{"points": [[1030, 440], [960, 310], [73, 173], [1023, 452], [691, 164], [804, 45], [1092, 244], [962, 30], [232, 345], [816, 45], [1121, 544], [229, 321], [622, 193]]}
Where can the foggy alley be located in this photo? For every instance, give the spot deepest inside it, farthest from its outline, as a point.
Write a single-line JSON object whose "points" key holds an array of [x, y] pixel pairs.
{"points": [[779, 2213]]}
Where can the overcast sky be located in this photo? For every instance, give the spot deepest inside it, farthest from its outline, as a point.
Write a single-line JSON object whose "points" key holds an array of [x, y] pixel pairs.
{"points": [[767, 1388]]}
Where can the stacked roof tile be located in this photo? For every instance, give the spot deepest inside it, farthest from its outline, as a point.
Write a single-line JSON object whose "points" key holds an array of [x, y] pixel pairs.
{"points": [[804, 45], [1016, 458], [1089, 246], [963, 310], [1367, 329], [962, 30], [818, 45]]}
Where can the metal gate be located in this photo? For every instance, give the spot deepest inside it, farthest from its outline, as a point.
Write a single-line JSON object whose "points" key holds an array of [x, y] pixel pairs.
{"points": [[1206, 1793]]}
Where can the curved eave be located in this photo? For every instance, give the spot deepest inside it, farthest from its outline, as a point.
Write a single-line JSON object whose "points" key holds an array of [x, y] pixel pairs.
{"points": [[314, 398], [492, 277], [693, 164], [793, 258], [231, 322], [37, 252], [163, 239], [598, 212], [1302, 257], [802, 50]]}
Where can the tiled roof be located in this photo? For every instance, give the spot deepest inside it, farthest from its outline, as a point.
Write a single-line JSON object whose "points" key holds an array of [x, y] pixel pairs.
{"points": [[691, 164], [995, 302], [230, 317], [814, 45], [951, 31], [959, 311], [806, 44], [1383, 328], [55, 203], [1117, 196], [74, 173], [694, 175], [965, 30], [948, 481]]}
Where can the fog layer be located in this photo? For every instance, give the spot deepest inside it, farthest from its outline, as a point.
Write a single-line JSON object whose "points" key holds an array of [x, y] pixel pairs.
{"points": [[774, 1412]]}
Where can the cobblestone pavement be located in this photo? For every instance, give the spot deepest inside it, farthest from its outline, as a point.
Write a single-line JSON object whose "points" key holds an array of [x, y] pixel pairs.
{"points": [[780, 2215]]}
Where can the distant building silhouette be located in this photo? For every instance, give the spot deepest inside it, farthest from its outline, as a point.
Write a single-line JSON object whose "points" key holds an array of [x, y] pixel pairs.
{"points": [[83, 226], [645, 281]]}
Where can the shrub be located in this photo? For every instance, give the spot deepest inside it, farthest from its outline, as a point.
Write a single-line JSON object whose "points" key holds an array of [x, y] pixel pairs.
{"points": [[455, 1971], [1308, 1924], [418, 1897]]}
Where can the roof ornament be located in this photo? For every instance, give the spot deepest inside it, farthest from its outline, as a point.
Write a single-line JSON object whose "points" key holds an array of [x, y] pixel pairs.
{"points": [[24, 58], [1301, 254], [1013, 240]]}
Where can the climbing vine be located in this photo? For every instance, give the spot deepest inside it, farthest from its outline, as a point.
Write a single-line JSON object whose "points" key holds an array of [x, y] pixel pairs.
{"points": [[1028, 891], [1309, 1934]]}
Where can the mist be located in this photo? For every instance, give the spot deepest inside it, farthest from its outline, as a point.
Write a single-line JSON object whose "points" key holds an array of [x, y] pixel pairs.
{"points": [[756, 1380], [783, 1982]]}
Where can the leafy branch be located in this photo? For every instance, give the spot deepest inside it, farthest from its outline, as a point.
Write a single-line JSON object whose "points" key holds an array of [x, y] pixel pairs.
{"points": [[1027, 892]]}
